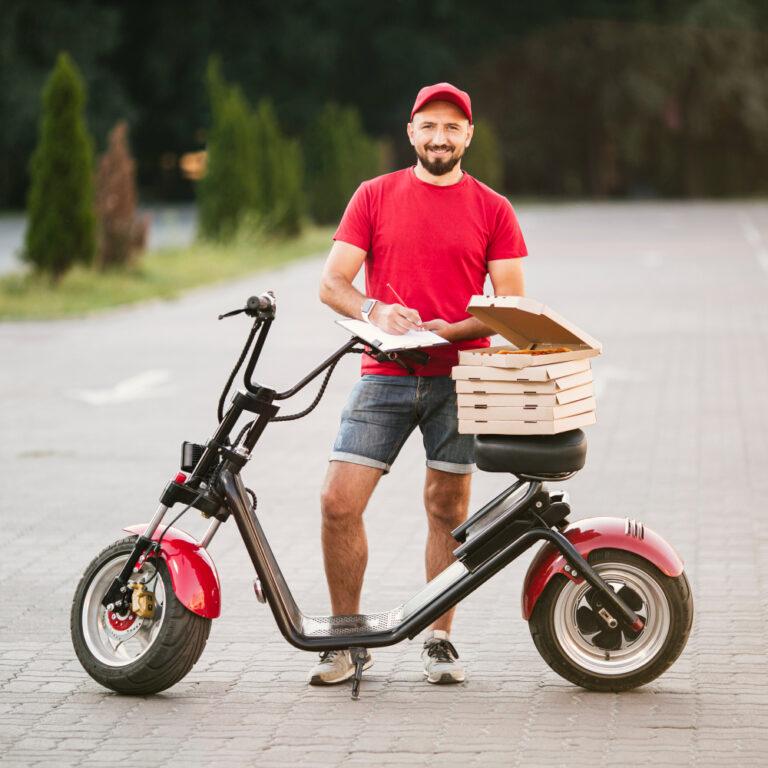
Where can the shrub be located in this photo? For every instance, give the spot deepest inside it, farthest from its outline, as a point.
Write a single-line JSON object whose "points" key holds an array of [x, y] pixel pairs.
{"points": [[61, 222], [254, 174], [484, 158], [230, 186], [120, 234], [279, 170], [338, 156]]}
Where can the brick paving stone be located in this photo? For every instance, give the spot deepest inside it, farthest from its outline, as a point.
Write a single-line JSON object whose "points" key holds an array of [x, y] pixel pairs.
{"points": [[676, 293]]}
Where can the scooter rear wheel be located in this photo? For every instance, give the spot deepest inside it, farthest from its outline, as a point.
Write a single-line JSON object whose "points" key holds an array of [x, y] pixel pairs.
{"points": [[123, 651], [574, 639]]}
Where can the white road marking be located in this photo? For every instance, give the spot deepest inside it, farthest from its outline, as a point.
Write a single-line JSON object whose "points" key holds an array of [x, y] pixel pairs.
{"points": [[751, 232], [755, 239], [139, 387]]}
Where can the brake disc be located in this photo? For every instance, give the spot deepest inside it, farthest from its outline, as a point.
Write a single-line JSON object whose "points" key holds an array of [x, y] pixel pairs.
{"points": [[121, 626]]}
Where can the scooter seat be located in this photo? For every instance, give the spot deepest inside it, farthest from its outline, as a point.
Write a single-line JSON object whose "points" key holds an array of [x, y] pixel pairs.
{"points": [[531, 454]]}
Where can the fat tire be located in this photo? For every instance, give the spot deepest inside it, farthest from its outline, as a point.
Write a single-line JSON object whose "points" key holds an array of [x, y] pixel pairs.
{"points": [[677, 591], [178, 645]]}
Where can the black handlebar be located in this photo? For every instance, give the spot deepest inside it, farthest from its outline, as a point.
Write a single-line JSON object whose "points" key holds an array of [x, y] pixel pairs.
{"points": [[263, 306]]}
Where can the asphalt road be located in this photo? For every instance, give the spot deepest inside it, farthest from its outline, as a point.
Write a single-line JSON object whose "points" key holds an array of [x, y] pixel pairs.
{"points": [[94, 410]]}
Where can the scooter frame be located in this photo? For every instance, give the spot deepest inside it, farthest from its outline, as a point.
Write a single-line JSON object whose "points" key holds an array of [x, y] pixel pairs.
{"points": [[523, 514]]}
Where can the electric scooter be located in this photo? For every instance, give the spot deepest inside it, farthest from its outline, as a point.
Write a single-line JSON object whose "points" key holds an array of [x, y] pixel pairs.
{"points": [[607, 600]]}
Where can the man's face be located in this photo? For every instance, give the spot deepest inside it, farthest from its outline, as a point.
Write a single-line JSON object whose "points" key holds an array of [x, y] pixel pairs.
{"points": [[440, 132]]}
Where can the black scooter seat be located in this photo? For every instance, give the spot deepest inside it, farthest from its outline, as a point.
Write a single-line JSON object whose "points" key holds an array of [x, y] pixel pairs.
{"points": [[531, 454]]}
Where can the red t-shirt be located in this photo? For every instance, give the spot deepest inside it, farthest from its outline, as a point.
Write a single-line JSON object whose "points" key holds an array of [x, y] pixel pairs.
{"points": [[433, 245]]}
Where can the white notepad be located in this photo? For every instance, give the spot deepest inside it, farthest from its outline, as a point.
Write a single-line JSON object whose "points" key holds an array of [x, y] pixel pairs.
{"points": [[391, 342]]}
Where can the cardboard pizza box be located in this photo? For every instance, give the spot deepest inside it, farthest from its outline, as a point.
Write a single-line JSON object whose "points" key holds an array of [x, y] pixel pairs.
{"points": [[531, 373], [532, 327], [526, 412], [491, 387], [520, 400], [548, 427]]}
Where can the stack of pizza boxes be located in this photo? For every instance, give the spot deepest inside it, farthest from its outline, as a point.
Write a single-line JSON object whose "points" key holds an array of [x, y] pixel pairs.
{"points": [[541, 385]]}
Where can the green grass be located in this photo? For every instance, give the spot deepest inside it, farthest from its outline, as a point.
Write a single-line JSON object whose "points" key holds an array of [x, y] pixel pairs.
{"points": [[163, 274]]}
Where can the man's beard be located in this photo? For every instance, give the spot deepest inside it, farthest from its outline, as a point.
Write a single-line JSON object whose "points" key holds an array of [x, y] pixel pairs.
{"points": [[440, 166]]}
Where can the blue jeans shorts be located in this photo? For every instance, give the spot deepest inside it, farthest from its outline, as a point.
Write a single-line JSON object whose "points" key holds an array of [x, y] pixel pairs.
{"points": [[381, 413]]}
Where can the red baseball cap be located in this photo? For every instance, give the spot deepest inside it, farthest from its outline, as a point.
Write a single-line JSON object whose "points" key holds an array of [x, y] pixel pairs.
{"points": [[443, 92]]}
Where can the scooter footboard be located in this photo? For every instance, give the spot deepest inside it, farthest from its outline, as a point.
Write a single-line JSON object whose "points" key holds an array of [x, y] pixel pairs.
{"points": [[597, 533], [193, 575]]}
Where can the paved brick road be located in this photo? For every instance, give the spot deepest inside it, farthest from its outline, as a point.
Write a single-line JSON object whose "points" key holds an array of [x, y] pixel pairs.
{"points": [[677, 293]]}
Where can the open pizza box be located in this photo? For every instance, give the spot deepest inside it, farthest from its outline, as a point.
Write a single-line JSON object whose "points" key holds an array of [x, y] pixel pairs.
{"points": [[533, 328]]}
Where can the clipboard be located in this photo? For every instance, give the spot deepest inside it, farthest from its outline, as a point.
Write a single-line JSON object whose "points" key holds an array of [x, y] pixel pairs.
{"points": [[391, 342]]}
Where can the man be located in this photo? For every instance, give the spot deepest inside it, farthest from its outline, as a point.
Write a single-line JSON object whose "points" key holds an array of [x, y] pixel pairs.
{"points": [[431, 233]]}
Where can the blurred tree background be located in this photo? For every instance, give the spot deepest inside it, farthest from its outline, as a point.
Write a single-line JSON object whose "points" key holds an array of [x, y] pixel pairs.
{"points": [[62, 220], [596, 98]]}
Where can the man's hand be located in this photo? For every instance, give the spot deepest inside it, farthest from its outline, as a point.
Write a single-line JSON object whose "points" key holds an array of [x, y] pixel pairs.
{"points": [[440, 327], [395, 318]]}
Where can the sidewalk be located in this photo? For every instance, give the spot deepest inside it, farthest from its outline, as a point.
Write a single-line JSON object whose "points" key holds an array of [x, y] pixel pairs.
{"points": [[93, 414]]}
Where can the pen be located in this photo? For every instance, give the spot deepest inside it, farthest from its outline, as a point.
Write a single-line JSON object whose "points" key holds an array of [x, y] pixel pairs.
{"points": [[397, 296]]}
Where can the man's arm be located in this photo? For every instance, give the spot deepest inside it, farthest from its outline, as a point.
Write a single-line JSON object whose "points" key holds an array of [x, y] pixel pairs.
{"points": [[336, 290], [507, 280]]}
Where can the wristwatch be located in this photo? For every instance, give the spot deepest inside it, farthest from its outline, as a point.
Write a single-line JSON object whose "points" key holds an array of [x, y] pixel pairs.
{"points": [[367, 308]]}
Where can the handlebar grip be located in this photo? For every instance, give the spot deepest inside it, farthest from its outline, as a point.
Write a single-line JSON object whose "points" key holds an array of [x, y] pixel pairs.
{"points": [[264, 303]]}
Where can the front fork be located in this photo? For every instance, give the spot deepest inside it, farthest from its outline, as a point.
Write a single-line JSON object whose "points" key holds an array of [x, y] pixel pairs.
{"points": [[117, 593]]}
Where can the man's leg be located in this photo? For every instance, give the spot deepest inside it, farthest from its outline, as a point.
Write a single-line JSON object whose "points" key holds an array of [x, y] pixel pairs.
{"points": [[450, 463], [446, 498], [376, 421], [345, 495]]}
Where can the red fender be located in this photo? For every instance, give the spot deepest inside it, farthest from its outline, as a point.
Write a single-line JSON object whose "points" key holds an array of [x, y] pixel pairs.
{"points": [[598, 533], [193, 575]]}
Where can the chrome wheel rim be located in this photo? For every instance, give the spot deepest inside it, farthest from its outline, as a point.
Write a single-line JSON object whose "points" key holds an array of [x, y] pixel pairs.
{"points": [[628, 652], [119, 639]]}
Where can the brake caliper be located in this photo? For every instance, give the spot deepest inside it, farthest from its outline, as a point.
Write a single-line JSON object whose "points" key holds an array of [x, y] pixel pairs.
{"points": [[142, 601]]}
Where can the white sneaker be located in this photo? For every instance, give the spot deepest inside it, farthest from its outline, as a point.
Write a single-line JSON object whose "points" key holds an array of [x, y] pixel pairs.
{"points": [[440, 659], [335, 667]]}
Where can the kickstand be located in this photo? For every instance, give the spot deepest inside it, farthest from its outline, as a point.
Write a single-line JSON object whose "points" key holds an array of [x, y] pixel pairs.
{"points": [[358, 656]]}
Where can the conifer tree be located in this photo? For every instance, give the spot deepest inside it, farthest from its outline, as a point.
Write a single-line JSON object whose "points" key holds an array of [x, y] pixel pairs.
{"points": [[484, 159], [279, 168], [61, 222], [338, 156], [254, 174], [231, 186]]}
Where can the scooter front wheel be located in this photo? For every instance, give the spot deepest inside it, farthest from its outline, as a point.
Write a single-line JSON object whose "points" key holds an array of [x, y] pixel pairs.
{"points": [[576, 640], [124, 651]]}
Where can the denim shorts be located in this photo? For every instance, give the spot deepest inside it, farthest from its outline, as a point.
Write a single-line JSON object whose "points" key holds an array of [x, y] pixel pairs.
{"points": [[381, 413]]}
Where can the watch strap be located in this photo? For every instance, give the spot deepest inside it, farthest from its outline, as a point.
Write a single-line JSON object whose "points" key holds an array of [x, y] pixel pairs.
{"points": [[367, 308]]}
